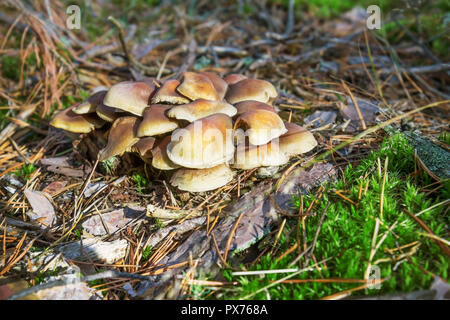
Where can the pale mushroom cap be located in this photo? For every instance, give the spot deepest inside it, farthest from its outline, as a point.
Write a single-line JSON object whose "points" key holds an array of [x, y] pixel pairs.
{"points": [[78, 123], [121, 137], [160, 159], [219, 84], [251, 89], [155, 121], [251, 105], [234, 78], [144, 147], [200, 180], [130, 96], [296, 140], [168, 93], [201, 108], [91, 103], [106, 113], [262, 126], [204, 143], [249, 157], [197, 86]]}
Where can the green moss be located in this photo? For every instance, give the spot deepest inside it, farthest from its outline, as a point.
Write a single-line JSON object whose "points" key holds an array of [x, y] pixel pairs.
{"points": [[25, 171], [346, 234]]}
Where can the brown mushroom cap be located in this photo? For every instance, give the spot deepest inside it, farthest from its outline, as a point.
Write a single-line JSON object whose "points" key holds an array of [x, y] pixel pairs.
{"points": [[204, 143], [155, 121], [107, 113], [121, 137], [197, 86], [251, 105], [262, 126], [219, 84], [130, 96], [168, 94], [249, 157], [144, 147], [91, 103], [200, 180], [296, 140], [234, 78], [201, 108], [160, 159], [79, 123], [251, 89]]}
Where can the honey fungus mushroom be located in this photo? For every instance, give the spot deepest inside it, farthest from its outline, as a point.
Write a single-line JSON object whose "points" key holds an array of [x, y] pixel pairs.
{"points": [[199, 129], [203, 144], [129, 96], [77, 123]]}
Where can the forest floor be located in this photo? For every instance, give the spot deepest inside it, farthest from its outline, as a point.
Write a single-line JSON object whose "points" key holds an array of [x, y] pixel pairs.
{"points": [[365, 214]]}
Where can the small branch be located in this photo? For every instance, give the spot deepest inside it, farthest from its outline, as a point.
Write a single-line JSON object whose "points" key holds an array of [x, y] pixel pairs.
{"points": [[59, 283], [130, 59]]}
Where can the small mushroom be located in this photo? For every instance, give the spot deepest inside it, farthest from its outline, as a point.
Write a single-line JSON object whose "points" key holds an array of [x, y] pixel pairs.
{"points": [[261, 125], [130, 96], [296, 140], [144, 147], [204, 143], [251, 105], [107, 113], [78, 123], [122, 136], [200, 180], [234, 78], [160, 159], [219, 84], [249, 157], [168, 94], [197, 86], [201, 108], [91, 103], [251, 89], [155, 121]]}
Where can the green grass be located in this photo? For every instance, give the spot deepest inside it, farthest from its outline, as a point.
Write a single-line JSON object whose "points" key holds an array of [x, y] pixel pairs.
{"points": [[25, 171], [346, 234], [140, 181]]}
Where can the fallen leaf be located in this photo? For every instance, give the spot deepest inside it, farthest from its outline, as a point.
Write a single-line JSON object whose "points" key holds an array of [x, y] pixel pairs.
{"points": [[110, 222], [54, 187], [42, 208]]}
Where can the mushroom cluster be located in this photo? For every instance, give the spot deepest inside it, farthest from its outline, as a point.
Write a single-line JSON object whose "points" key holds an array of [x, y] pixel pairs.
{"points": [[202, 126]]}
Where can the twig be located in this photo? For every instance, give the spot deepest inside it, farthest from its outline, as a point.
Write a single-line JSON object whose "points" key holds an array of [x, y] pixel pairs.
{"points": [[128, 56], [98, 276]]}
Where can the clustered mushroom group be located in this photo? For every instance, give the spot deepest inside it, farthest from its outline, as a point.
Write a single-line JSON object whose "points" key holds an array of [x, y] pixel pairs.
{"points": [[201, 127]]}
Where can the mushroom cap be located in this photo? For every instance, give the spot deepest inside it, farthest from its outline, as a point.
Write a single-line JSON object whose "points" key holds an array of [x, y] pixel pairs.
{"points": [[251, 89], [262, 125], [144, 147], [107, 113], [219, 84], [204, 143], [121, 137], [296, 140], [234, 78], [201, 108], [79, 123], [200, 180], [251, 105], [249, 157], [197, 86], [168, 93], [155, 121], [91, 103], [130, 96], [160, 159]]}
